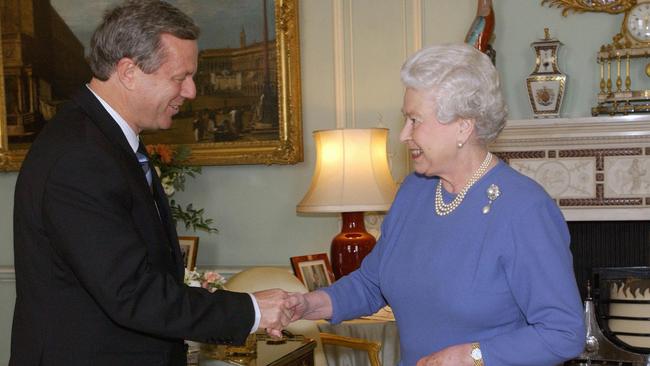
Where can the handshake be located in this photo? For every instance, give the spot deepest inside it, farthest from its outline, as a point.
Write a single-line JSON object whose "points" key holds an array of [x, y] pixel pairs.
{"points": [[278, 308]]}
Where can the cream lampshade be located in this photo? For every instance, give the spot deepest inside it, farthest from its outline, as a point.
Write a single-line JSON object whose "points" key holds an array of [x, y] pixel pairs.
{"points": [[351, 176]]}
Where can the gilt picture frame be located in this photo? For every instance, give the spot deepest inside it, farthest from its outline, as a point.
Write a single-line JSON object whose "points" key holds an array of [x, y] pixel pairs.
{"points": [[248, 104], [189, 247], [314, 270]]}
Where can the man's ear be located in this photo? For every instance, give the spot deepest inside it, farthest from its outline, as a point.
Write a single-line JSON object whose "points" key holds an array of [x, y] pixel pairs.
{"points": [[126, 71]]}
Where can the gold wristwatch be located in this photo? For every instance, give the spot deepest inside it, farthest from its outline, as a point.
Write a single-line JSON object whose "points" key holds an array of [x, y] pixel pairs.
{"points": [[476, 354]]}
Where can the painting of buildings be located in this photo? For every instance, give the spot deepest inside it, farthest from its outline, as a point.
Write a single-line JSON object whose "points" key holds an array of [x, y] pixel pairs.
{"points": [[45, 43], [43, 63]]}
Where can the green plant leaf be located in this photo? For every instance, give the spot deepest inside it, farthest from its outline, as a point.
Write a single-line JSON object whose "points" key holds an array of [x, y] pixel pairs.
{"points": [[174, 174]]}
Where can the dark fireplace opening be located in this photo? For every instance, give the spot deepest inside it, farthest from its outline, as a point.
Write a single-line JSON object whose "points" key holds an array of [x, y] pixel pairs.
{"points": [[607, 244]]}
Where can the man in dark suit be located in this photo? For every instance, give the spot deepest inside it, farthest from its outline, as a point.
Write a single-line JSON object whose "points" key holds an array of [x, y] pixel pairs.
{"points": [[99, 276]]}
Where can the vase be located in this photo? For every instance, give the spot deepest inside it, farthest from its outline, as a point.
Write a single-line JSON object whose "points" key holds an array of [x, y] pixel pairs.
{"points": [[546, 84]]}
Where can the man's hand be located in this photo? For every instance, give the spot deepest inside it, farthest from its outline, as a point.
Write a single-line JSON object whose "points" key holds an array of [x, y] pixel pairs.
{"points": [[458, 355], [276, 310]]}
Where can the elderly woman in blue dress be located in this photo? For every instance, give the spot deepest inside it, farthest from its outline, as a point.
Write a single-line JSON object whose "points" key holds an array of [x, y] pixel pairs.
{"points": [[474, 257]]}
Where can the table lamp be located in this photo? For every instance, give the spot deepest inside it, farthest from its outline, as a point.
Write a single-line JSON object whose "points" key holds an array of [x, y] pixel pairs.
{"points": [[351, 176]]}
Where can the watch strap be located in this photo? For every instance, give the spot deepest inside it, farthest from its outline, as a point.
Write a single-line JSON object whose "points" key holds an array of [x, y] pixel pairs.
{"points": [[476, 354]]}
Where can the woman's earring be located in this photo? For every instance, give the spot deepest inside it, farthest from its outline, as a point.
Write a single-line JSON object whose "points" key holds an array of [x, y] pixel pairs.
{"points": [[459, 144]]}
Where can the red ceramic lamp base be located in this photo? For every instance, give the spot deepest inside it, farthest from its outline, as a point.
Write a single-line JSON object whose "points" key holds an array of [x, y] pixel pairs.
{"points": [[351, 245]]}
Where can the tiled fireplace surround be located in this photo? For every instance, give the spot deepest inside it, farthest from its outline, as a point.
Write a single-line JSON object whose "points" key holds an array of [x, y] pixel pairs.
{"points": [[598, 171]]}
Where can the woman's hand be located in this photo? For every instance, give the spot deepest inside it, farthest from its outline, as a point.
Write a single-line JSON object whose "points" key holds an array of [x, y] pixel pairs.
{"points": [[300, 306], [313, 305], [458, 355]]}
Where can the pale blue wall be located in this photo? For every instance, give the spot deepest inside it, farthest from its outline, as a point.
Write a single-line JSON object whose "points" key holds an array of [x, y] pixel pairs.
{"points": [[7, 183], [7, 296], [254, 206], [520, 22]]}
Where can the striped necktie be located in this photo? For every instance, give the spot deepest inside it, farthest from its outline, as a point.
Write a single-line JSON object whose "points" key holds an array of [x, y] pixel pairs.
{"points": [[143, 159]]}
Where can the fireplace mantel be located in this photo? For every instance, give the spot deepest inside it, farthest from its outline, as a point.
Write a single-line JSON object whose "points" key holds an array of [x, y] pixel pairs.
{"points": [[597, 168]]}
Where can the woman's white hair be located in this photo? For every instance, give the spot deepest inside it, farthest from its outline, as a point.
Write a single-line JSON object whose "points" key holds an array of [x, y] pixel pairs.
{"points": [[463, 83]]}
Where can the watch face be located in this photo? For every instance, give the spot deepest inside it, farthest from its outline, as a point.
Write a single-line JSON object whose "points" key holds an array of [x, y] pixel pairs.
{"points": [[638, 22], [476, 354]]}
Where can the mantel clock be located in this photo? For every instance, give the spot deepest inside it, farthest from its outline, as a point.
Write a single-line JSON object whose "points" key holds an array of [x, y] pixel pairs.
{"points": [[631, 44], [636, 25]]}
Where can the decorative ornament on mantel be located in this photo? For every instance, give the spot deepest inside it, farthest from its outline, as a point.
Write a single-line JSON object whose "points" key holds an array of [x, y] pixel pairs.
{"points": [[546, 84], [621, 88], [481, 30]]}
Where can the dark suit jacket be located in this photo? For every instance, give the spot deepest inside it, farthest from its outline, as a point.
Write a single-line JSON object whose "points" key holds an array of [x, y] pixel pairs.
{"points": [[99, 278]]}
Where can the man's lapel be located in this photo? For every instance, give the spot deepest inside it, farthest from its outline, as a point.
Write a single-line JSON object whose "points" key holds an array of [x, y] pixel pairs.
{"points": [[165, 216], [159, 207]]}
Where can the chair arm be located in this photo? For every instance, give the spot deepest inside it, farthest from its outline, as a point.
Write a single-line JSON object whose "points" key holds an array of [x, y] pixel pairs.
{"points": [[371, 347]]}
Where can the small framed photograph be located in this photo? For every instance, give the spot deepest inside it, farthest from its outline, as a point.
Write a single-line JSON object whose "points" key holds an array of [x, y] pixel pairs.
{"points": [[189, 246], [314, 270]]}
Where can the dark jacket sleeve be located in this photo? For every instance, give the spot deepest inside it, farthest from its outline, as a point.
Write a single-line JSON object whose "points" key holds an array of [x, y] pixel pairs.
{"points": [[94, 214]]}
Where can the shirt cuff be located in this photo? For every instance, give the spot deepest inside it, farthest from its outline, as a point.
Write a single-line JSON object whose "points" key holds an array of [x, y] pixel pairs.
{"points": [[258, 315]]}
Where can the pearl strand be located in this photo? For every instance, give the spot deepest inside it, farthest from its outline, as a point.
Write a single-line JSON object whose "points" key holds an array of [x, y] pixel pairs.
{"points": [[442, 208]]}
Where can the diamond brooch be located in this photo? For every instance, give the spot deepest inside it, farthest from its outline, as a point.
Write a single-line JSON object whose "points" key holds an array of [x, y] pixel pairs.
{"points": [[493, 193]]}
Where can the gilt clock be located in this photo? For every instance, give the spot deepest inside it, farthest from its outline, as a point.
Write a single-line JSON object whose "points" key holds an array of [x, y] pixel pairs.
{"points": [[635, 29], [631, 45], [636, 24]]}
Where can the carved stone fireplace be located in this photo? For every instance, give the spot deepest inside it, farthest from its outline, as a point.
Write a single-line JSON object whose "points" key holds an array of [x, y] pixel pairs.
{"points": [[598, 171]]}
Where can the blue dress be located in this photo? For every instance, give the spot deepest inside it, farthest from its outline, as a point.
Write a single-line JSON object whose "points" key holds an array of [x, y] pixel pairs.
{"points": [[504, 279]]}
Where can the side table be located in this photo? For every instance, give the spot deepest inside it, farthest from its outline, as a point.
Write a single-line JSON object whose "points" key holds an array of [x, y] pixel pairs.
{"points": [[298, 351]]}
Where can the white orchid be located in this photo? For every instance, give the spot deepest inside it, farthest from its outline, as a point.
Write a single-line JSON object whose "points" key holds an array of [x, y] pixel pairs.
{"points": [[168, 186]]}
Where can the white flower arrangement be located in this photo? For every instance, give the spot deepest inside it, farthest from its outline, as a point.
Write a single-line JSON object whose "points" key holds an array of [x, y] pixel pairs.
{"points": [[210, 280]]}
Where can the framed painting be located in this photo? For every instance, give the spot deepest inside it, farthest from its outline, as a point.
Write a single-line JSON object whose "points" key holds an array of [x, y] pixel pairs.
{"points": [[189, 247], [314, 270], [248, 104]]}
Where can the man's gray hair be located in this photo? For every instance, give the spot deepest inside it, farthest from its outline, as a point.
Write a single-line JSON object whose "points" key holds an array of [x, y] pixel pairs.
{"points": [[133, 29]]}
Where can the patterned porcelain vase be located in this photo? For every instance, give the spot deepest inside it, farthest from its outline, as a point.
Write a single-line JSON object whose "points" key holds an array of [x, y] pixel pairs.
{"points": [[546, 83]]}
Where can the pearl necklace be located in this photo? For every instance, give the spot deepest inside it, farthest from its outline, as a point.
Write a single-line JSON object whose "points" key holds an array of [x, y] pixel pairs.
{"points": [[442, 208]]}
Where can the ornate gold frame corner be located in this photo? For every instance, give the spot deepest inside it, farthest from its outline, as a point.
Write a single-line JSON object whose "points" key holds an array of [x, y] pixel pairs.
{"points": [[581, 6], [9, 160]]}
